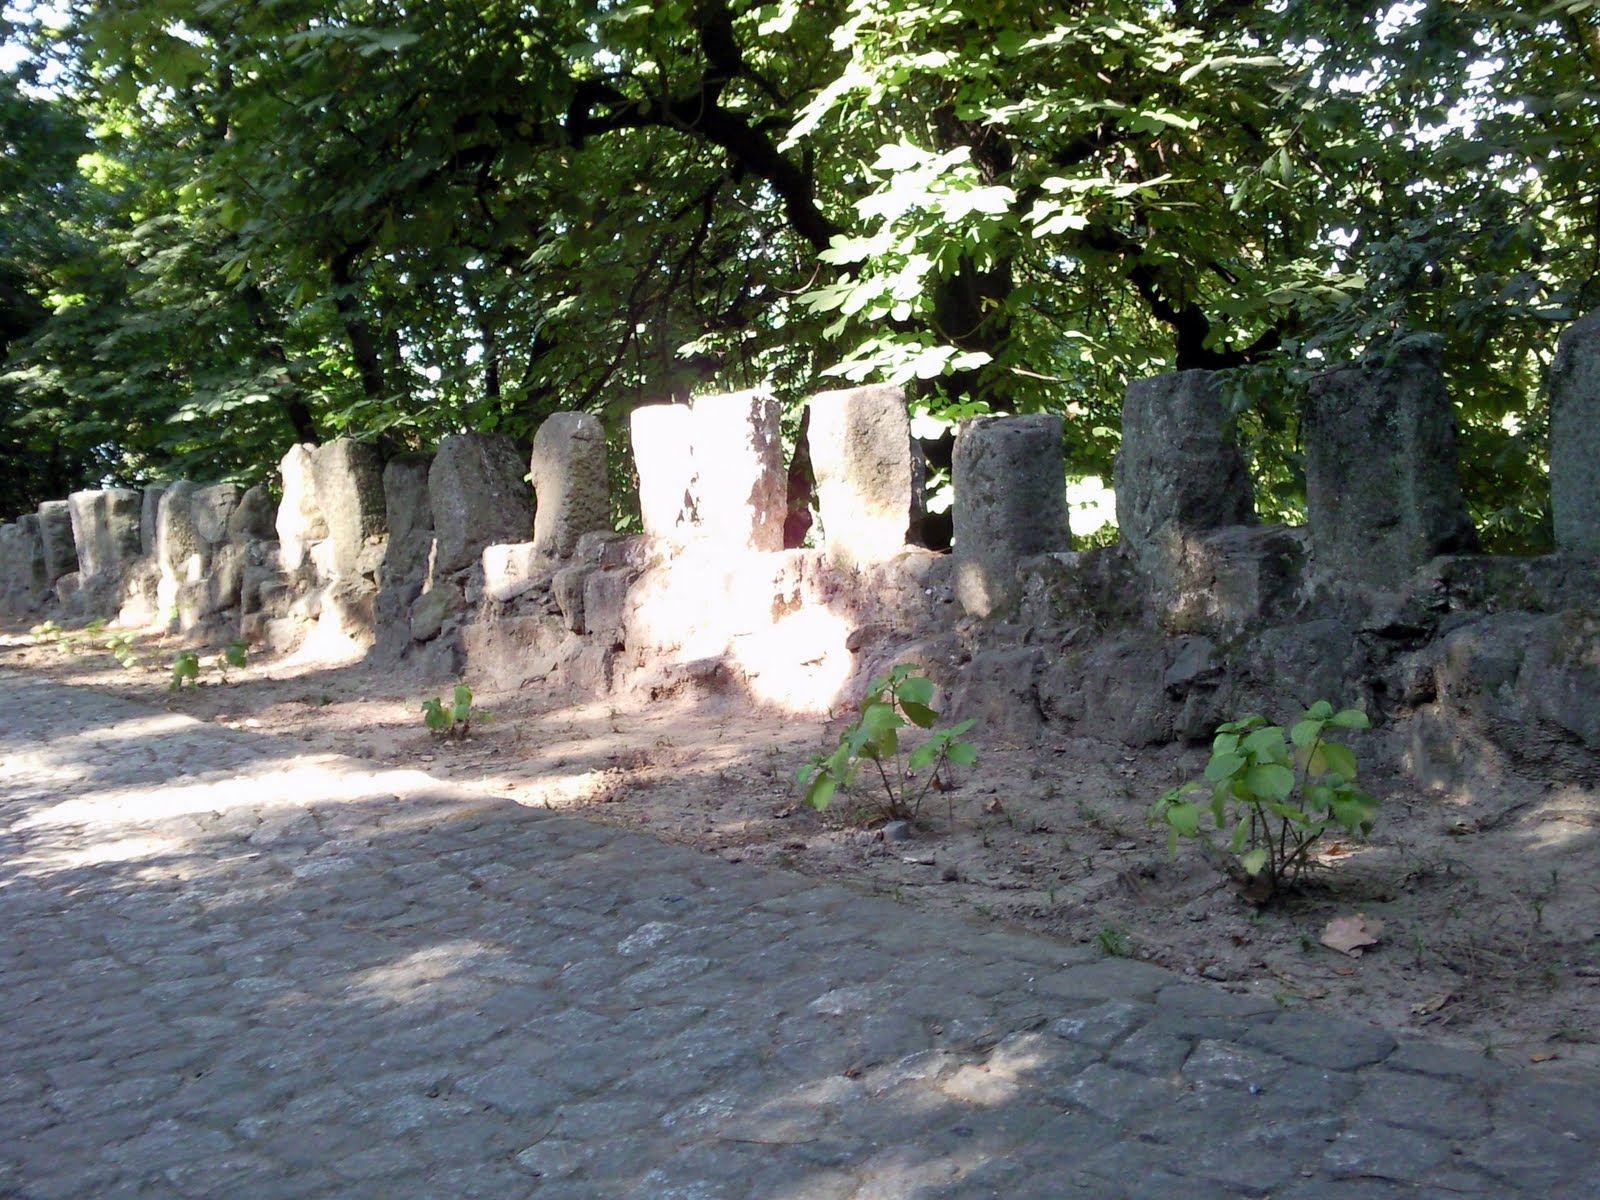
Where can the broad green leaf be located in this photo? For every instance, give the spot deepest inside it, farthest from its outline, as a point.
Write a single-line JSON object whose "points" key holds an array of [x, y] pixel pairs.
{"points": [[1305, 732], [1350, 718], [1185, 818], [1253, 861], [919, 715], [1224, 766], [1269, 780], [923, 755], [1266, 745], [963, 754]]}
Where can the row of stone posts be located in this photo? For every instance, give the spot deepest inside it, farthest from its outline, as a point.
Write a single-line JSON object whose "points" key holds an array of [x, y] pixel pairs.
{"points": [[1383, 493]]}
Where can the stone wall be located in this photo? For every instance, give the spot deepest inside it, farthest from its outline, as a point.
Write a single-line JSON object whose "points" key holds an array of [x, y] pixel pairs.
{"points": [[476, 561]]}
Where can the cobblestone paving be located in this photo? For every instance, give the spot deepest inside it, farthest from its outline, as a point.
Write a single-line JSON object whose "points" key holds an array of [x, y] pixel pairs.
{"points": [[233, 971]]}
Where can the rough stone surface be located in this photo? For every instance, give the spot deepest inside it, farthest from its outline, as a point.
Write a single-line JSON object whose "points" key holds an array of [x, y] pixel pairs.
{"points": [[740, 485], [433, 608], [232, 973], [1575, 438], [213, 508], [55, 531], [1230, 580], [105, 530], [663, 455], [511, 569], [571, 486], [478, 497], [349, 489], [1011, 504], [23, 582], [180, 548], [866, 472], [1179, 471], [300, 520], [149, 513], [256, 518], [1383, 493]]}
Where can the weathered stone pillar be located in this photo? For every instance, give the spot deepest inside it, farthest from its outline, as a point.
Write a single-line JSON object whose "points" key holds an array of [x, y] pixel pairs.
{"points": [[300, 520], [663, 456], [861, 453], [1010, 504], [149, 510], [181, 551], [571, 487], [255, 520], [1382, 490], [348, 477], [55, 531], [23, 585], [213, 506], [1575, 439], [478, 497], [741, 491], [1179, 471], [105, 530]]}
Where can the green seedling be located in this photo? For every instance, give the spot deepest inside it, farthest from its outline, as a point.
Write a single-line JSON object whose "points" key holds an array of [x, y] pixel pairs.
{"points": [[897, 701], [236, 654], [1272, 796], [455, 718], [124, 648], [46, 631], [185, 671]]}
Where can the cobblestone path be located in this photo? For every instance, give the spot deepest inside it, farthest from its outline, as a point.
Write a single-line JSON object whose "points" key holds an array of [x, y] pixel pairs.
{"points": [[229, 970]]}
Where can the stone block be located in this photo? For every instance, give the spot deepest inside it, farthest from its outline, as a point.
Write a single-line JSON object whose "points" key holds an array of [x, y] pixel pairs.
{"points": [[1010, 504], [23, 583], [663, 456], [300, 521], [1383, 494], [405, 500], [213, 508], [256, 518], [105, 530], [55, 532], [1179, 470], [348, 478], [149, 512], [571, 487], [225, 578], [1575, 439], [741, 489], [511, 569], [606, 548], [181, 551], [433, 608], [139, 603], [478, 497], [1231, 580], [605, 601], [866, 469], [568, 588]]}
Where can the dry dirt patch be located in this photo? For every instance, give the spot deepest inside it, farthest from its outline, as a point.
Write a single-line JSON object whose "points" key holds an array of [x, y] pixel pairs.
{"points": [[1489, 905]]}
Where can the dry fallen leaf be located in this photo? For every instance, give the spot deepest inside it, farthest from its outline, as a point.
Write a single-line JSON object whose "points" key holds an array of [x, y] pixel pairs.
{"points": [[1539, 1056], [1431, 1005], [1350, 934], [994, 806]]}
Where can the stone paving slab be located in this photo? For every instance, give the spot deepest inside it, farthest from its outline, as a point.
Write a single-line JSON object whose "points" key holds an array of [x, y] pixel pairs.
{"points": [[232, 970]]}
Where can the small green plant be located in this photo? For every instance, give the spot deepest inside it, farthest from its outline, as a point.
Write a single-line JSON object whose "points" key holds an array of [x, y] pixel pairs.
{"points": [[235, 654], [455, 718], [185, 671], [892, 703], [1273, 803], [46, 631], [1113, 942], [124, 648]]}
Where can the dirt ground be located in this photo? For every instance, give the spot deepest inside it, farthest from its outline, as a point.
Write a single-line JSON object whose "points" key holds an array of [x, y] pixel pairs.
{"points": [[1490, 913]]}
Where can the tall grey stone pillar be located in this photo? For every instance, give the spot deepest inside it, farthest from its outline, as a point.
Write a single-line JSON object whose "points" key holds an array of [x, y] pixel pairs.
{"points": [[55, 531], [149, 511], [478, 496], [571, 486], [663, 455], [740, 488], [1575, 439], [300, 520], [1383, 492], [105, 530], [349, 491], [1010, 504], [861, 453], [1179, 471]]}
